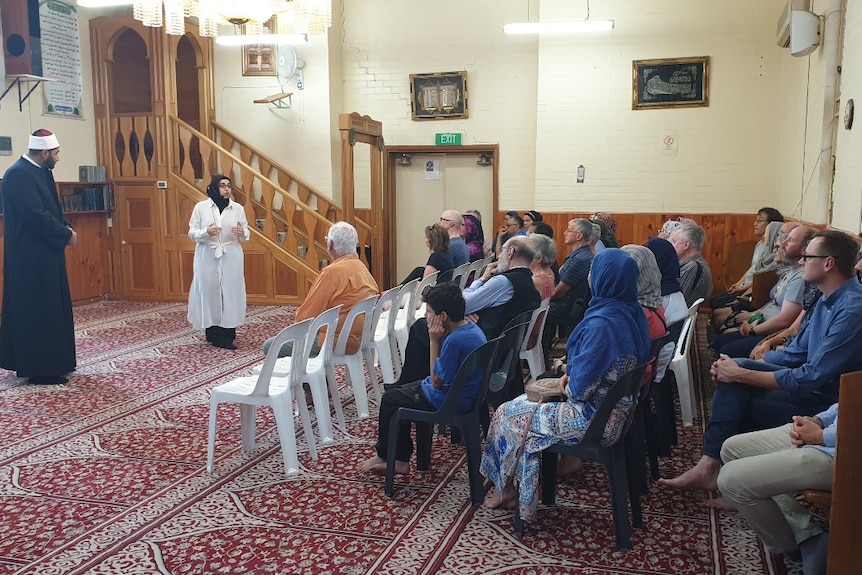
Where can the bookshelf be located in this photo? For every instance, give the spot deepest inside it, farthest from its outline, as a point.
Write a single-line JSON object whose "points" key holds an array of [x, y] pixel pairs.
{"points": [[80, 197]]}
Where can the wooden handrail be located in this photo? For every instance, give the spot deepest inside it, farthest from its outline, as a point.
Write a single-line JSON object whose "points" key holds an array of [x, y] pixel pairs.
{"points": [[284, 176], [216, 159]]}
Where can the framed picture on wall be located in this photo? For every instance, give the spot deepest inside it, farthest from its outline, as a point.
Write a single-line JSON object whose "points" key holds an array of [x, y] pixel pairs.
{"points": [[438, 96], [670, 83], [258, 60]]}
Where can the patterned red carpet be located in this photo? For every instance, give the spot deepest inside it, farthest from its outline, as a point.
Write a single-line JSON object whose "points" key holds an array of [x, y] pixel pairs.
{"points": [[106, 475]]}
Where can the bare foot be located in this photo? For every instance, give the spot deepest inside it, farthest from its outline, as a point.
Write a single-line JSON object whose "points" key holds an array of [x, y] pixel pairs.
{"points": [[719, 503], [366, 465], [702, 476], [401, 468], [507, 501], [567, 465]]}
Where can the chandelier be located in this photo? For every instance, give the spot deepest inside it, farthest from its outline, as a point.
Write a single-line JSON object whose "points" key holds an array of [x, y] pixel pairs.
{"points": [[311, 17]]}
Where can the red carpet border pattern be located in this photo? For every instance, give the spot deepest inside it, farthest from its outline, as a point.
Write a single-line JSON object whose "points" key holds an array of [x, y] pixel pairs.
{"points": [[106, 475]]}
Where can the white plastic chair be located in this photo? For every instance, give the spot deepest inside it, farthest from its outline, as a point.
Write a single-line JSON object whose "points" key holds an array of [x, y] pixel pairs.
{"points": [[404, 312], [383, 322], [314, 372], [681, 366], [417, 305], [264, 389], [535, 355], [461, 274], [353, 361]]}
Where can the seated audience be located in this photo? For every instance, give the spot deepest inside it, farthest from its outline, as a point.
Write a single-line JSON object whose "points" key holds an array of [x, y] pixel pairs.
{"points": [[761, 260], [544, 229], [782, 308], [672, 299], [453, 223], [345, 281], [474, 237], [488, 245], [695, 277], [452, 338], [513, 226], [530, 218], [802, 378], [649, 297], [762, 471], [612, 339], [743, 303], [565, 310], [610, 240], [546, 254], [602, 238], [440, 258], [504, 290]]}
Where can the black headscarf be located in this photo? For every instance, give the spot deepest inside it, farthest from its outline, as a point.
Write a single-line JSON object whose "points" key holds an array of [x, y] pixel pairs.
{"points": [[213, 192]]}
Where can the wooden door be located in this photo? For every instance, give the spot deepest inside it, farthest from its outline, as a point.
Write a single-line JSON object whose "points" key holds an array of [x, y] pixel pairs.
{"points": [[141, 249]]}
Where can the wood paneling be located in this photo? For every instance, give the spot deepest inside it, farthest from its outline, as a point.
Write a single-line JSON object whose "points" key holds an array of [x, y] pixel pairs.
{"points": [[845, 522], [722, 232]]}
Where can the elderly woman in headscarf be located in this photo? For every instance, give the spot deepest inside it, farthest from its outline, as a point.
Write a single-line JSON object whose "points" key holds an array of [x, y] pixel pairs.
{"points": [[649, 294], [609, 234], [611, 339], [217, 294]]}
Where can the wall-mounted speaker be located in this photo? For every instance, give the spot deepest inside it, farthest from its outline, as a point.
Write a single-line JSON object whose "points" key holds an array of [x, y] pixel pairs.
{"points": [[20, 21]]}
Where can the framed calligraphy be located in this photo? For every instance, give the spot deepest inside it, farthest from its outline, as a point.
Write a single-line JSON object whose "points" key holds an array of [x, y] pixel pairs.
{"points": [[438, 96], [670, 83]]}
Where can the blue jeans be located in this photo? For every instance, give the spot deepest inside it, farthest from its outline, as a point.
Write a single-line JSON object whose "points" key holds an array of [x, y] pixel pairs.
{"points": [[738, 408]]}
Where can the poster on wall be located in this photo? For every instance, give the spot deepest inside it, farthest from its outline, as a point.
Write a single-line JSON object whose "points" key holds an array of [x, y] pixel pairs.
{"points": [[61, 59]]}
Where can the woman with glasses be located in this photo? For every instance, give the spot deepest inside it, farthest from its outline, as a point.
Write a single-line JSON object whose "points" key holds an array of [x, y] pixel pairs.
{"points": [[217, 294]]}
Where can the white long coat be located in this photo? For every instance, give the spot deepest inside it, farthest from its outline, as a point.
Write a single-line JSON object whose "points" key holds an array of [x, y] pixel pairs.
{"points": [[217, 295]]}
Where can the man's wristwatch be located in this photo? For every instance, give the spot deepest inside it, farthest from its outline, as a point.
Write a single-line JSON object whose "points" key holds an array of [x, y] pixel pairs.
{"points": [[751, 331]]}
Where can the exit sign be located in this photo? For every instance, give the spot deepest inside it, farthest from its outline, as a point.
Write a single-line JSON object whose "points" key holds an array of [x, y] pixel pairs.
{"points": [[448, 139]]}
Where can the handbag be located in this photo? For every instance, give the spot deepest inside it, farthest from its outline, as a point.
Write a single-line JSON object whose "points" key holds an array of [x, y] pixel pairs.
{"points": [[544, 390]]}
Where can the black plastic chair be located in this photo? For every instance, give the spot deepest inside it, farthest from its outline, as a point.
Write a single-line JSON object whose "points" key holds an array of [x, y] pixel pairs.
{"points": [[661, 394], [612, 456], [645, 433], [483, 358]]}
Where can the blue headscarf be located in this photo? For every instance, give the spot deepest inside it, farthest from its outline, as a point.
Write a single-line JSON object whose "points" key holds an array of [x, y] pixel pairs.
{"points": [[614, 325], [668, 263]]}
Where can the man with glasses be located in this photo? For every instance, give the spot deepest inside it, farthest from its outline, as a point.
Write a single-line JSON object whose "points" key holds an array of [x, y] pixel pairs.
{"points": [[801, 379], [513, 226], [454, 223]]}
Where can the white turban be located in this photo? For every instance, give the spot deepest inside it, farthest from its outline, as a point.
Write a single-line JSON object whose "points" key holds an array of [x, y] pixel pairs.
{"points": [[48, 142]]}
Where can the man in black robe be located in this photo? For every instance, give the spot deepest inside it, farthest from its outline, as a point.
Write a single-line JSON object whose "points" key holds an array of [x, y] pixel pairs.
{"points": [[37, 332]]}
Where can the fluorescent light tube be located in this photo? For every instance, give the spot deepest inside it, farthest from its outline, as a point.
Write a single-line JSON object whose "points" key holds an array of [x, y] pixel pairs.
{"points": [[104, 3], [239, 39], [559, 27]]}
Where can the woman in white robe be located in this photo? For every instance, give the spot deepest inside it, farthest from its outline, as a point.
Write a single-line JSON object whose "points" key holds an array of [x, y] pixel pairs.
{"points": [[217, 296]]}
